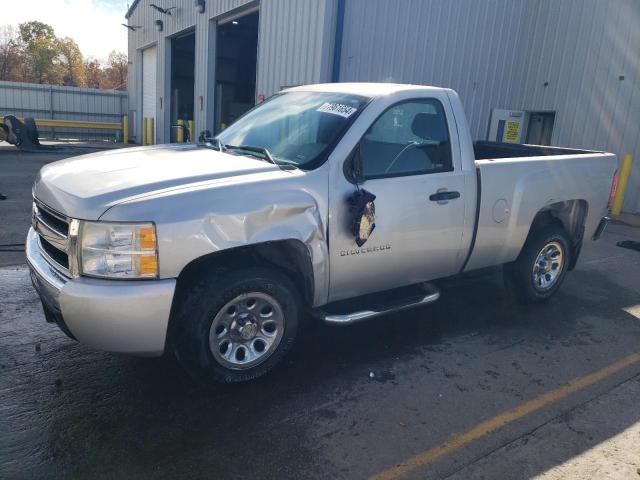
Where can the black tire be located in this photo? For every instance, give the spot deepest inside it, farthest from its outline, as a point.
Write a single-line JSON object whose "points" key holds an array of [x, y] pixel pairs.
{"points": [[203, 304], [519, 275]]}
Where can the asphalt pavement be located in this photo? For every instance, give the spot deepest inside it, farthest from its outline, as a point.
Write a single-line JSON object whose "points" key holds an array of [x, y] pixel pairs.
{"points": [[473, 386], [18, 170]]}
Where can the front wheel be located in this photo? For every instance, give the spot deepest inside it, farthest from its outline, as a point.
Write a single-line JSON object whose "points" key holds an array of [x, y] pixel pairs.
{"points": [[539, 270], [237, 326]]}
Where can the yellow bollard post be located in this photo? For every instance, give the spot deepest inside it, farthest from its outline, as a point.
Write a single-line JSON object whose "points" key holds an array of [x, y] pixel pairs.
{"points": [[125, 129], [151, 134], [623, 180], [191, 139], [144, 131], [180, 132]]}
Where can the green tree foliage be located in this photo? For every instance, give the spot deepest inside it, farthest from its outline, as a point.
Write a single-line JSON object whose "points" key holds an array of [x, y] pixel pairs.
{"points": [[42, 51], [33, 32], [33, 53]]}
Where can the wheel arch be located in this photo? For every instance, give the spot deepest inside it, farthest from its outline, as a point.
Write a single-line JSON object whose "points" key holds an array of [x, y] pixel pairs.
{"points": [[571, 216], [290, 257]]}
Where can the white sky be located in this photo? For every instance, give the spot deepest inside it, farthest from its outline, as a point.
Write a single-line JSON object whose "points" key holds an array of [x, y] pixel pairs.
{"points": [[93, 24]]}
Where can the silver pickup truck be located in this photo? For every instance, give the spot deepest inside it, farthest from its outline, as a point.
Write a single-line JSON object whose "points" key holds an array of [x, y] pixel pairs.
{"points": [[338, 202]]}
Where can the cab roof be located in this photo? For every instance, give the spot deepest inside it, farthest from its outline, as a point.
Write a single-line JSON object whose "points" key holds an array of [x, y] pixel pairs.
{"points": [[368, 89]]}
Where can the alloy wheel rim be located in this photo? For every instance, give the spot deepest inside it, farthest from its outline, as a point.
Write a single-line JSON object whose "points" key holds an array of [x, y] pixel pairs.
{"points": [[548, 266], [246, 330]]}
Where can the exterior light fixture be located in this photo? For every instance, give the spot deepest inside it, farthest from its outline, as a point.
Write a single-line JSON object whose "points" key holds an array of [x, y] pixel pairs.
{"points": [[200, 5], [235, 22], [159, 25]]}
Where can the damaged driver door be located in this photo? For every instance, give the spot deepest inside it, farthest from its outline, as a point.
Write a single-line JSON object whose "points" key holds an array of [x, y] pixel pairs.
{"points": [[412, 218]]}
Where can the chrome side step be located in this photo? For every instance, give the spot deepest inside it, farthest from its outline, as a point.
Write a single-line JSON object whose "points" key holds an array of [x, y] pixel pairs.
{"points": [[432, 294]]}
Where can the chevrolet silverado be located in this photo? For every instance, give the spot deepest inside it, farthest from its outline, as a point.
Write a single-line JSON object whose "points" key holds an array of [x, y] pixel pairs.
{"points": [[337, 202]]}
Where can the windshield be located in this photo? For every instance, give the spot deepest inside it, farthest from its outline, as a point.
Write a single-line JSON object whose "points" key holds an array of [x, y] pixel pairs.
{"points": [[299, 128]]}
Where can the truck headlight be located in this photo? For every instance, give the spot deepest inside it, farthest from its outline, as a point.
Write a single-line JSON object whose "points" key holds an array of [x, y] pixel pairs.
{"points": [[118, 250]]}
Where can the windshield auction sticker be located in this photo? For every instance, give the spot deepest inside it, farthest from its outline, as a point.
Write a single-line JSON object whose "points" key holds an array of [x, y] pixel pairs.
{"points": [[337, 109]]}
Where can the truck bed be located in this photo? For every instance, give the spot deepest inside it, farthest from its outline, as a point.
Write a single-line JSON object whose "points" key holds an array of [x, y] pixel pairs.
{"points": [[516, 182], [484, 150]]}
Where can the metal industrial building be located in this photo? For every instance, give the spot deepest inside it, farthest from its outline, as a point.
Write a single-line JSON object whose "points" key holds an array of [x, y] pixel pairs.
{"points": [[563, 72]]}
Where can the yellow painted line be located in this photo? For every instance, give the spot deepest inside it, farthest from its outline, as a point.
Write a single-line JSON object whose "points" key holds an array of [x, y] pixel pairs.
{"points": [[499, 421]]}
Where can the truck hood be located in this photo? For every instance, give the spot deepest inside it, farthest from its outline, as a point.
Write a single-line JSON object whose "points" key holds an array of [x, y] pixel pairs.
{"points": [[85, 187]]}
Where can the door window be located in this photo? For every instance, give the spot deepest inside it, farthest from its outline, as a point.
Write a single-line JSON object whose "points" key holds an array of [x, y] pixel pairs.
{"points": [[410, 138]]}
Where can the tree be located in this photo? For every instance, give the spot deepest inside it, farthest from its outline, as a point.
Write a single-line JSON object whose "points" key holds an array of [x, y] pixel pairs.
{"points": [[33, 53], [116, 71], [93, 73], [42, 49], [34, 31], [71, 63], [11, 57]]}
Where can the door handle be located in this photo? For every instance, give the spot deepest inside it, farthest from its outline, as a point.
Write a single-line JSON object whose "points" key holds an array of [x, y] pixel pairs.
{"points": [[444, 196]]}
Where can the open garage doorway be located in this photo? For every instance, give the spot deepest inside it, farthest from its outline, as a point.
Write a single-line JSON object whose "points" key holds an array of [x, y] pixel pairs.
{"points": [[235, 70], [183, 59]]}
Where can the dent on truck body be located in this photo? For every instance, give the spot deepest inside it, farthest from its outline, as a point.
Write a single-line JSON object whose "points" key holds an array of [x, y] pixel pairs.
{"points": [[293, 215]]}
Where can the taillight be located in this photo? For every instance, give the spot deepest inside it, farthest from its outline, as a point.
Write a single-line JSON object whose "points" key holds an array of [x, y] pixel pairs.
{"points": [[612, 193]]}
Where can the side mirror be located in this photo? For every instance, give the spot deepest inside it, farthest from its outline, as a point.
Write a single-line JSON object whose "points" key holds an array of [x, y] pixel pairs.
{"points": [[364, 215], [353, 167]]}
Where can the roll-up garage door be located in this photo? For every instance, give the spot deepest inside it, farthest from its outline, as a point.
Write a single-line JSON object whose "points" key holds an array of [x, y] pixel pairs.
{"points": [[149, 82]]}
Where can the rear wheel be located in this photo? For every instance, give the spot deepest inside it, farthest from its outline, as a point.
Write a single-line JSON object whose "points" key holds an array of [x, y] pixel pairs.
{"points": [[237, 326], [539, 270]]}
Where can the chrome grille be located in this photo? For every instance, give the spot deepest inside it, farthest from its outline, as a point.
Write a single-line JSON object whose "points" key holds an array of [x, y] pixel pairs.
{"points": [[53, 231]]}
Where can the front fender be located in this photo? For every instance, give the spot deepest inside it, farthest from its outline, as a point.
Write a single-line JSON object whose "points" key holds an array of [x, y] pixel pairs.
{"points": [[195, 223]]}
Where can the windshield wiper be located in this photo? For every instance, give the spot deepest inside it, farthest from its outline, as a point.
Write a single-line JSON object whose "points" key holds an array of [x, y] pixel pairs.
{"points": [[263, 153], [261, 150], [215, 144]]}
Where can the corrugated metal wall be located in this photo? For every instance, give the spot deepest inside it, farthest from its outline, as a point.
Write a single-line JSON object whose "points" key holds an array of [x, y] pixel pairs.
{"points": [[183, 19], [466, 45], [589, 53], [305, 23], [63, 103], [579, 58], [295, 46]]}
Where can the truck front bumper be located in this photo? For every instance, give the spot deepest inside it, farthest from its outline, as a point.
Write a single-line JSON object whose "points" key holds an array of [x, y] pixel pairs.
{"points": [[118, 316]]}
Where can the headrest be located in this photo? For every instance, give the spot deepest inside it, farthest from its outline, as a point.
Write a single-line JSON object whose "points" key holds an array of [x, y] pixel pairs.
{"points": [[429, 126]]}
